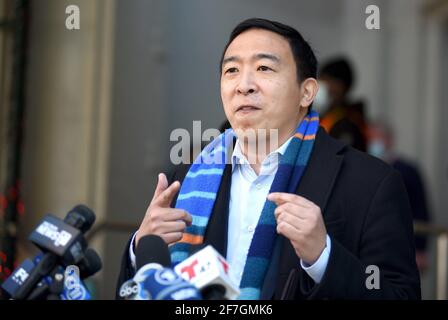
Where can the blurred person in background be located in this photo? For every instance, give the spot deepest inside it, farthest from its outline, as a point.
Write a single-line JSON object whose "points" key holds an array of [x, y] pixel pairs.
{"points": [[340, 117], [381, 145]]}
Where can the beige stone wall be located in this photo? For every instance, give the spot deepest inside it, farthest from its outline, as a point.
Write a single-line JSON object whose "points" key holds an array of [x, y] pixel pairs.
{"points": [[68, 107]]}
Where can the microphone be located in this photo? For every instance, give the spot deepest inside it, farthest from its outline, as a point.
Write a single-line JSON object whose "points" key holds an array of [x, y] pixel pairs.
{"points": [[89, 265], [151, 252], [152, 249], [130, 290], [61, 285], [209, 272], [153, 280], [62, 243], [73, 288], [60, 239], [64, 238], [165, 284], [157, 283], [19, 276], [81, 218]]}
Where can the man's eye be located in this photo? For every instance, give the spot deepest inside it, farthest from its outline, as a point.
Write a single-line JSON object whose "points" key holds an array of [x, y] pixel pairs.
{"points": [[231, 70], [264, 68]]}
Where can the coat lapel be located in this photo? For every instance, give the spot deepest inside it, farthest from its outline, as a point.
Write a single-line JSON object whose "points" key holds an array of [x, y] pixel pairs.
{"points": [[316, 185], [216, 232]]}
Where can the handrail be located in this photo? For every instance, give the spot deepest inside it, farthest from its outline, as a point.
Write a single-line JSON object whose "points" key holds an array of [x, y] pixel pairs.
{"points": [[422, 228]]}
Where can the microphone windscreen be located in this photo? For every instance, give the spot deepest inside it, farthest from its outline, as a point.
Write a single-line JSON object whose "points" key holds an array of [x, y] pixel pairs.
{"points": [[80, 217], [90, 264], [152, 249]]}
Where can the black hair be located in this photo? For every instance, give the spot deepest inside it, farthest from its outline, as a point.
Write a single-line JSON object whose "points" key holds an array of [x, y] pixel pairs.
{"points": [[340, 69], [306, 62]]}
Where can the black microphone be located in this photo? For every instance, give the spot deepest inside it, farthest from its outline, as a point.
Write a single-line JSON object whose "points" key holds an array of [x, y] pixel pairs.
{"points": [[56, 237], [152, 249], [90, 264], [80, 217], [62, 243]]}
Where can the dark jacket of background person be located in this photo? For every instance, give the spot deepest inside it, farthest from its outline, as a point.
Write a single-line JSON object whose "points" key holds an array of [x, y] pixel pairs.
{"points": [[417, 196]]}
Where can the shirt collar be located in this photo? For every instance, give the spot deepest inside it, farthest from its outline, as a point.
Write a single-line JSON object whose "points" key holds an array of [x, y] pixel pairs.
{"points": [[272, 159]]}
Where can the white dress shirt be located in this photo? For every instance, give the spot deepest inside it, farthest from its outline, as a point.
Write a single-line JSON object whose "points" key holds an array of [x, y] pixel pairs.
{"points": [[248, 194]]}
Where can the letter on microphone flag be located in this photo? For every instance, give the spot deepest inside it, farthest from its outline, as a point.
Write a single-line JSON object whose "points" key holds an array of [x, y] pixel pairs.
{"points": [[207, 267]]}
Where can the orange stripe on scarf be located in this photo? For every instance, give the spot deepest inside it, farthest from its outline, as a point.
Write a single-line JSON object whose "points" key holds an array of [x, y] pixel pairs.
{"points": [[311, 119], [191, 238], [307, 137]]}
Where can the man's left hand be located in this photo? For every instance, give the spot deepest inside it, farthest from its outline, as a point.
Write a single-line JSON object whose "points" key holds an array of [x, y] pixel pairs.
{"points": [[300, 220]]}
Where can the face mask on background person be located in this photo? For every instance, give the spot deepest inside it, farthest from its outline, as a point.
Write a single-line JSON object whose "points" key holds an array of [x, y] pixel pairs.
{"points": [[322, 98], [377, 149]]}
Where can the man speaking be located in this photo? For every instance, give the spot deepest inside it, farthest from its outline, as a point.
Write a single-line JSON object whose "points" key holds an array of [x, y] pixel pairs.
{"points": [[306, 217]]}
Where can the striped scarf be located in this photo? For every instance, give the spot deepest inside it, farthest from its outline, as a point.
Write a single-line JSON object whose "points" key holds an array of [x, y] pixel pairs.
{"points": [[199, 190]]}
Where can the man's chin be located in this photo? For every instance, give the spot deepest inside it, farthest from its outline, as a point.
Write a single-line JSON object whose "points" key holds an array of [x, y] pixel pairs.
{"points": [[247, 128], [253, 130], [248, 124]]}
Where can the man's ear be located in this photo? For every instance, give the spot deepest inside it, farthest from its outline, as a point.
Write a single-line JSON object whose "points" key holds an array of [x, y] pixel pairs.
{"points": [[309, 88]]}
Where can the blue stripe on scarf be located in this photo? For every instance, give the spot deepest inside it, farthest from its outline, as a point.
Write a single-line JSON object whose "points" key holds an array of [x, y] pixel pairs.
{"points": [[195, 229], [249, 293], [198, 220], [253, 279], [204, 172], [208, 186], [268, 219], [201, 210], [195, 167], [197, 194], [177, 255]]}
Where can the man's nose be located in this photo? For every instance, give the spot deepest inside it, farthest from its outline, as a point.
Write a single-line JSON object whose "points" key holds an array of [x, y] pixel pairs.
{"points": [[247, 84]]}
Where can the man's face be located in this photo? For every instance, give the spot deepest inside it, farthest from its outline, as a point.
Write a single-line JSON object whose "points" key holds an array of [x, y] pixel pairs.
{"points": [[259, 85]]}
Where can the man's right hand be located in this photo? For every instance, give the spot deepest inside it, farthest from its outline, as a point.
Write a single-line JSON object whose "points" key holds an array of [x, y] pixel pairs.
{"points": [[162, 220]]}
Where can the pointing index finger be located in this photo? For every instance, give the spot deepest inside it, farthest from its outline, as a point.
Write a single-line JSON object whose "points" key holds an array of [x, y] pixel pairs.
{"points": [[167, 196]]}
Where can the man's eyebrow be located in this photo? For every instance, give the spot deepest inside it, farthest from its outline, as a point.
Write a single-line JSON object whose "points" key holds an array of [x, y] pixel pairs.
{"points": [[230, 59], [257, 56], [269, 56]]}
